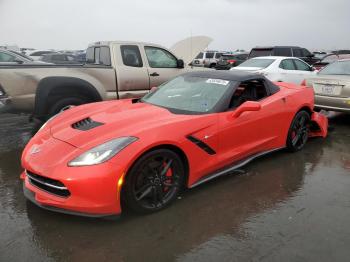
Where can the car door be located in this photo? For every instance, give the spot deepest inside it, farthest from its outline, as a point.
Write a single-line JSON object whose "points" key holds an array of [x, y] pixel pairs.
{"points": [[287, 71], [132, 73], [162, 65], [304, 70], [253, 132]]}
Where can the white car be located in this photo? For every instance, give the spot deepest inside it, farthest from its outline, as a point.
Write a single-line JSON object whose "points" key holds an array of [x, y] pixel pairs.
{"points": [[37, 55], [279, 68]]}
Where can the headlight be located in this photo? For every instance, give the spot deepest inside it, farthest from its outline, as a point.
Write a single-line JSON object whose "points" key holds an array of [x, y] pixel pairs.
{"points": [[102, 153]]}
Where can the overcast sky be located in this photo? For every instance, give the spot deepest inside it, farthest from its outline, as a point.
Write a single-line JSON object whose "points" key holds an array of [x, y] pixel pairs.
{"points": [[72, 24]]}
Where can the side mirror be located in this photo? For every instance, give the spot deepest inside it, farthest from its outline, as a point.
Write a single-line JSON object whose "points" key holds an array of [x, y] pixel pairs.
{"points": [[180, 63], [245, 107]]}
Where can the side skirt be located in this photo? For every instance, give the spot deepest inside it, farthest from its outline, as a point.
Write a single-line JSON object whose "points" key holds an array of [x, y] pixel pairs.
{"points": [[233, 167]]}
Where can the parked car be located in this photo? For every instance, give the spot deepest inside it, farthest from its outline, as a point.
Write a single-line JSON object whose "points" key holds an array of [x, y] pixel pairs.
{"points": [[207, 59], [341, 52], [80, 57], [330, 58], [332, 86], [320, 54], [37, 55], [88, 158], [290, 51], [278, 68], [58, 58], [227, 61], [113, 70], [10, 57]]}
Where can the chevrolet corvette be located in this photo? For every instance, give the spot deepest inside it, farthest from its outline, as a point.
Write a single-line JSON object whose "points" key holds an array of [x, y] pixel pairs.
{"points": [[101, 158]]}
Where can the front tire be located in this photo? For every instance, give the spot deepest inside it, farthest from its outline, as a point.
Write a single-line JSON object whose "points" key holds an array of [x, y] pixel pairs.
{"points": [[298, 132], [63, 103], [154, 181]]}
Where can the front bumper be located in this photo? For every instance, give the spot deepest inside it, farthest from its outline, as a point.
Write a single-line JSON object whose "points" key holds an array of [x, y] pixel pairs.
{"points": [[30, 195], [94, 190], [340, 104]]}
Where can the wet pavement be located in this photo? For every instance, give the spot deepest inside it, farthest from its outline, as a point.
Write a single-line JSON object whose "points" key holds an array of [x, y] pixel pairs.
{"points": [[285, 207]]}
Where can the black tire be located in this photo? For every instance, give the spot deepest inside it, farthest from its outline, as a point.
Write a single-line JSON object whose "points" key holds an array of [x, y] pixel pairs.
{"points": [[298, 131], [63, 103], [212, 65], [153, 182]]}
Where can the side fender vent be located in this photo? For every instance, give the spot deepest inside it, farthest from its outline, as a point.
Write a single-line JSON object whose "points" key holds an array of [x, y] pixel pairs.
{"points": [[86, 124], [202, 145]]}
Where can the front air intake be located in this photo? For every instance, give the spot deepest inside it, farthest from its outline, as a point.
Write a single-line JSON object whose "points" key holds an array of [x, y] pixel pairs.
{"points": [[86, 124], [49, 185]]}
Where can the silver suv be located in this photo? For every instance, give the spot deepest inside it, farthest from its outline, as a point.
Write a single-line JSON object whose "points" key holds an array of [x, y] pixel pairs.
{"points": [[207, 58]]}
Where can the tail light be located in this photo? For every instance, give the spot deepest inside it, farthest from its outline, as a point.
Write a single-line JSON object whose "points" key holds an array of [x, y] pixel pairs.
{"points": [[231, 61], [303, 83]]}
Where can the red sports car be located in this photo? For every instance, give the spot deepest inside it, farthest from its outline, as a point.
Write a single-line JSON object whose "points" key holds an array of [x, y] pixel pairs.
{"points": [[90, 159]]}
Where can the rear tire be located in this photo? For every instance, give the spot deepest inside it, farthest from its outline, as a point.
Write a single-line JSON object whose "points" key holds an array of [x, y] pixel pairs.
{"points": [[153, 182], [298, 131]]}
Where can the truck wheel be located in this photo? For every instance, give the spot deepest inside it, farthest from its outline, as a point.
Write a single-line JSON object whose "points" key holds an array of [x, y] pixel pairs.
{"points": [[63, 103]]}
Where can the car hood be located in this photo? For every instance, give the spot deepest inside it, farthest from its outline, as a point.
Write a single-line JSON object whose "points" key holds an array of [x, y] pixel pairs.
{"points": [[188, 48], [113, 119]]}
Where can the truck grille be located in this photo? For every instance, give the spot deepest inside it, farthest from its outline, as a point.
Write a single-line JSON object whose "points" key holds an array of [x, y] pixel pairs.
{"points": [[49, 185], [86, 124]]}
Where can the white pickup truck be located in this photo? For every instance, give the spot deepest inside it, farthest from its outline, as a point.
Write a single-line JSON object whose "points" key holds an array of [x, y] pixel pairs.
{"points": [[113, 70]]}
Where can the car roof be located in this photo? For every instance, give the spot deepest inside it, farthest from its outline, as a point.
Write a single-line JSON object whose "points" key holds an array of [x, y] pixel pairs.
{"points": [[276, 57], [278, 46], [269, 56], [225, 75]]}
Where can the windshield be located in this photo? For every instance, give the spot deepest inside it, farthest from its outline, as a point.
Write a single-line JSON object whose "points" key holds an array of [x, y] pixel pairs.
{"points": [[337, 68], [261, 63], [260, 52], [189, 94]]}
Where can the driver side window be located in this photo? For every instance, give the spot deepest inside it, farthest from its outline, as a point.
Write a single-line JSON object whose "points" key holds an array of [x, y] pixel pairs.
{"points": [[252, 90], [160, 58]]}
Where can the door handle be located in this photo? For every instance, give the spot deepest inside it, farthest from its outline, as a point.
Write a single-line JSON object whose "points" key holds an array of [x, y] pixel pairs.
{"points": [[154, 74]]}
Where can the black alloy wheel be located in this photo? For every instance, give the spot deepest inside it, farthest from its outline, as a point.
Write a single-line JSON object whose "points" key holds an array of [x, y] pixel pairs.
{"points": [[298, 132], [154, 181]]}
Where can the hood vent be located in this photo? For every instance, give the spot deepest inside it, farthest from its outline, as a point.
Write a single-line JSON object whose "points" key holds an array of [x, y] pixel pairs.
{"points": [[86, 124]]}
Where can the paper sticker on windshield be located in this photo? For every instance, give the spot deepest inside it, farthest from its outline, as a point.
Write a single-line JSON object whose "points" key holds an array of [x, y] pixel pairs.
{"points": [[217, 81]]}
